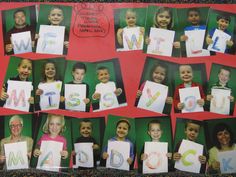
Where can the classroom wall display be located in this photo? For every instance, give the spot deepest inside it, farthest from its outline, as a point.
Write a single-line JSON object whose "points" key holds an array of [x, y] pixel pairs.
{"points": [[101, 37]]}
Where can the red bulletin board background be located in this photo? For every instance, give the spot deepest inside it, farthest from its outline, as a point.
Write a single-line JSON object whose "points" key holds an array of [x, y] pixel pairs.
{"points": [[101, 48]]}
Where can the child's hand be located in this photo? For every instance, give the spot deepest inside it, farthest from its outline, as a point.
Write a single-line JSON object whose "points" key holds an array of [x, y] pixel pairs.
{"points": [[118, 91], [142, 30], [62, 99], [95, 146], [147, 40], [139, 93], [4, 94], [73, 153], [36, 36], [209, 40], [201, 102], [180, 106], [2, 158], [86, 100], [105, 155], [66, 44], [37, 152], [176, 44], [39, 92], [176, 156], [96, 96], [209, 97], [9, 47], [119, 36], [31, 100], [130, 161], [169, 155], [169, 100], [229, 43], [64, 154], [29, 154], [215, 165], [231, 98], [202, 159], [144, 156], [183, 38]]}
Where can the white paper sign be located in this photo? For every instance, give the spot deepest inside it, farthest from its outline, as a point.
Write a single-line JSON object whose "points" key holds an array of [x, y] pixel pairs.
{"points": [[219, 41], [84, 155], [190, 152], [189, 97], [161, 42], [220, 103], [50, 99], [157, 161], [21, 42], [153, 97], [19, 93], [132, 39], [227, 161], [118, 152], [74, 97], [194, 44], [51, 39], [50, 159], [16, 158]]}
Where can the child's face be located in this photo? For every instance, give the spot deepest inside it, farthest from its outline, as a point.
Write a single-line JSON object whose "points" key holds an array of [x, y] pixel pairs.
{"points": [[50, 70], [78, 75], [163, 19], [25, 69], [224, 76], [55, 16], [122, 130], [194, 17], [223, 137], [55, 126], [103, 75], [130, 19], [155, 131], [20, 19], [85, 129], [159, 74], [186, 73], [222, 24], [192, 131]]}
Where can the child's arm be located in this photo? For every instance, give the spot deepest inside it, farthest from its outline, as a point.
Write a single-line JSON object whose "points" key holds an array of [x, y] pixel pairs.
{"points": [[169, 100], [201, 101], [4, 94], [39, 92], [96, 146], [176, 156], [231, 98], [86, 100], [119, 36], [96, 96], [37, 152], [209, 97], [176, 44], [144, 156], [8, 48], [177, 104], [183, 38], [202, 159], [139, 93]]}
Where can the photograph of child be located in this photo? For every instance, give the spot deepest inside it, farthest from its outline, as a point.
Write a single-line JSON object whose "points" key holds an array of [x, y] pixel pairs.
{"points": [[190, 76], [152, 129], [19, 69], [193, 27], [49, 71], [53, 128], [221, 143], [221, 80], [191, 130], [165, 19], [20, 22], [220, 32], [119, 129], [157, 71], [58, 18], [129, 27], [88, 131], [109, 89], [16, 128], [79, 73]]}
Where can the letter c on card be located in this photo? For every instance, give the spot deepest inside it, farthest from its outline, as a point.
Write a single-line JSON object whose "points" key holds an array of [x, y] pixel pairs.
{"points": [[184, 156]]}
